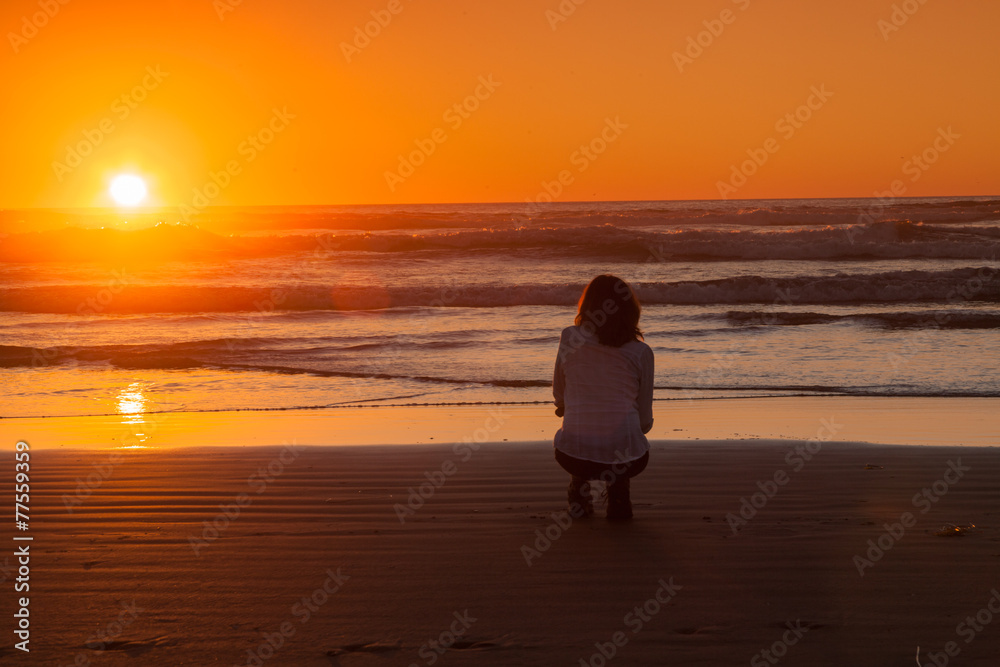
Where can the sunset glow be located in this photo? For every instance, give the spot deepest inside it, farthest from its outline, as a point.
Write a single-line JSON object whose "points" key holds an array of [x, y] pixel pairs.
{"points": [[316, 103]]}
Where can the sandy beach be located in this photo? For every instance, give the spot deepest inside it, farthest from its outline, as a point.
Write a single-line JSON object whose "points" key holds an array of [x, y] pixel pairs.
{"points": [[388, 555]]}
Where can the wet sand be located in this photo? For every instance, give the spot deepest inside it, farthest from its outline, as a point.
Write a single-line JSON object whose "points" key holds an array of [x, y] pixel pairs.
{"points": [[202, 556]]}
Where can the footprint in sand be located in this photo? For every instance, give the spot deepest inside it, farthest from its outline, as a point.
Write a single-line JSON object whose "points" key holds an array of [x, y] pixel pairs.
{"points": [[381, 647], [363, 648], [136, 647]]}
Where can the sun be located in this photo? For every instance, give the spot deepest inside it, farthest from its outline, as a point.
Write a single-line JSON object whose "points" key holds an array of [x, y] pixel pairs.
{"points": [[128, 189]]}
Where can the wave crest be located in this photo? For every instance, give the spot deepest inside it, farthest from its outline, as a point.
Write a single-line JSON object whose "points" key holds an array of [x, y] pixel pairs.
{"points": [[957, 285], [898, 239]]}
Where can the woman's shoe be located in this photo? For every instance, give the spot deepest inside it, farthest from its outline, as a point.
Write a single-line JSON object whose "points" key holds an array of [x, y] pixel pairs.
{"points": [[578, 495], [619, 500]]}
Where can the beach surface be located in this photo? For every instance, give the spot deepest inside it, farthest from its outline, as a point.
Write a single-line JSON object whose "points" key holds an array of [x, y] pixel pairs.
{"points": [[390, 554]]}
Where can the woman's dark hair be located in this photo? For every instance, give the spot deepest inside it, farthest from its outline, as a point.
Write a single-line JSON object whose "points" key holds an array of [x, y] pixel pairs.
{"points": [[609, 308]]}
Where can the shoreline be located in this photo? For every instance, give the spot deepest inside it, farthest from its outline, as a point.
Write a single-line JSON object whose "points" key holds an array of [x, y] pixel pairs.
{"points": [[969, 421]]}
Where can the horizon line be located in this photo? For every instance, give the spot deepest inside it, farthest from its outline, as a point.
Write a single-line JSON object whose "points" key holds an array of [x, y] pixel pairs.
{"points": [[552, 204]]}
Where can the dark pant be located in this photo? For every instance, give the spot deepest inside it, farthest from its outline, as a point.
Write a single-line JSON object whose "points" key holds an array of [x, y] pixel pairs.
{"points": [[607, 472]]}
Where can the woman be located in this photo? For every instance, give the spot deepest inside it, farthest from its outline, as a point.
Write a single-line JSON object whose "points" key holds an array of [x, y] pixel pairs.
{"points": [[603, 389]]}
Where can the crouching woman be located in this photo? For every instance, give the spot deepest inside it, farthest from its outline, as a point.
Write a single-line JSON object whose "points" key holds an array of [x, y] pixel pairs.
{"points": [[603, 390]]}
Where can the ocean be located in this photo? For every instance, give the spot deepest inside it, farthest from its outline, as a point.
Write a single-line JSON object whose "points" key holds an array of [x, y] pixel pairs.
{"points": [[275, 308]]}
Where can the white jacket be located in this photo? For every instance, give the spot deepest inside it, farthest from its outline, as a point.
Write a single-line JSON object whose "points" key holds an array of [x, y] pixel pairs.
{"points": [[607, 394]]}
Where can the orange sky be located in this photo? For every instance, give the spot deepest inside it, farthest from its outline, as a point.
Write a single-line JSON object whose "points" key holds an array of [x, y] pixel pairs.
{"points": [[221, 79]]}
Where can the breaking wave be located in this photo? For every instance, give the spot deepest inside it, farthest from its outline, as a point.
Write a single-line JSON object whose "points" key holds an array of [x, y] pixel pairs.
{"points": [[957, 285], [875, 240]]}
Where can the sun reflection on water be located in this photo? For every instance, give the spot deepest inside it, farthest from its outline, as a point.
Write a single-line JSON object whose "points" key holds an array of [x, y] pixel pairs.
{"points": [[132, 404]]}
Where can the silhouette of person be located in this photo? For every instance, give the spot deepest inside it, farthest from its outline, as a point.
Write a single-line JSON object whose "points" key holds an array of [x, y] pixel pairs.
{"points": [[603, 390]]}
